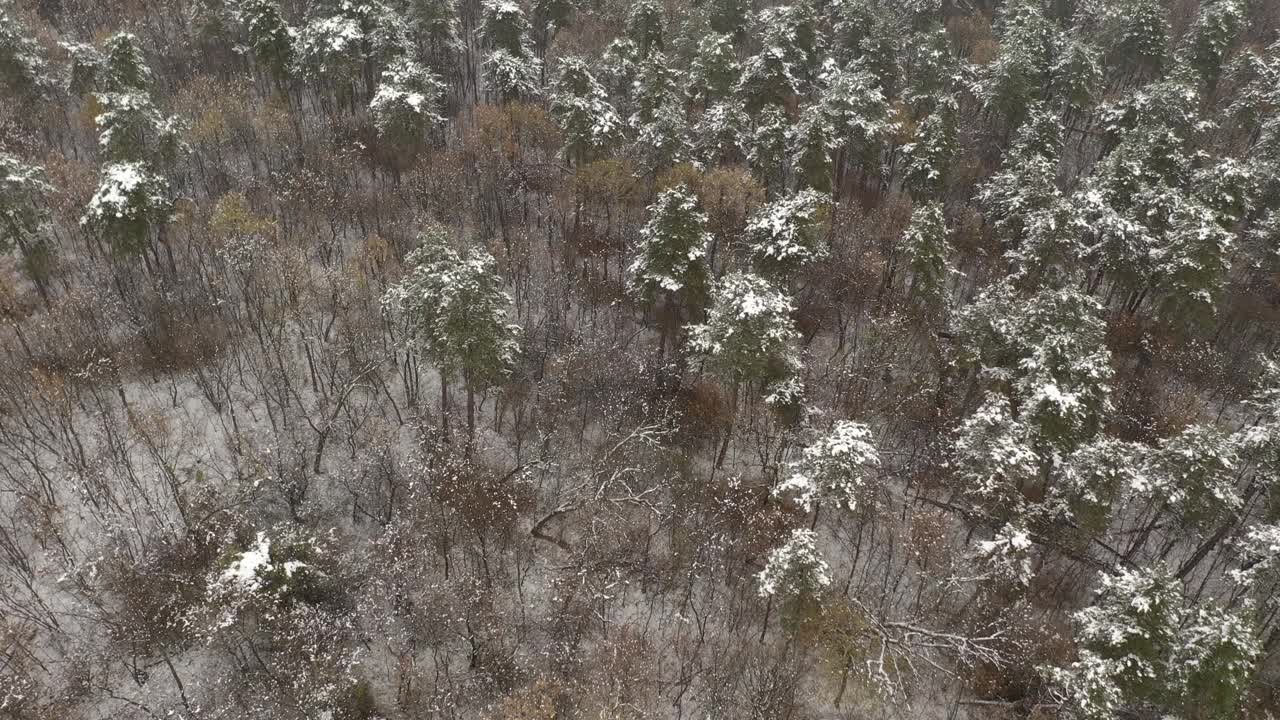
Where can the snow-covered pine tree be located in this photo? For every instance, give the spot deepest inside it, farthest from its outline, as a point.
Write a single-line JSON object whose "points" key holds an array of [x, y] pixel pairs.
{"points": [[644, 27], [510, 67], [928, 157], [124, 67], [1048, 352], [349, 44], [269, 35], [1192, 475], [670, 260], [748, 335], [131, 201], [1019, 75], [130, 127], [588, 123], [456, 312], [1133, 35], [788, 59], [925, 249], [993, 458], [23, 70], [795, 575], [714, 71], [1212, 36], [835, 468], [406, 106], [789, 232], [23, 194], [1141, 646], [842, 126]]}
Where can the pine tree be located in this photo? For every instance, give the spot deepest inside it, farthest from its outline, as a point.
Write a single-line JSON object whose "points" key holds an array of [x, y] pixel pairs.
{"points": [[1006, 559], [85, 67], [436, 23], [1230, 188], [796, 575], [656, 86], [124, 68], [993, 457], [331, 50], [1215, 661], [510, 67], [1127, 208], [1027, 181], [793, 30], [131, 128], [927, 159], [549, 17], [582, 110], [790, 232], [788, 58], [1132, 33], [929, 71], [670, 259], [1258, 577], [748, 335], [23, 70], [924, 244], [729, 17], [1169, 106], [131, 201], [406, 105], [1127, 637], [1020, 72], [618, 66], [870, 34], [505, 27], [23, 190], [1086, 484], [720, 135], [1212, 36], [714, 71], [510, 77], [658, 119], [456, 311], [836, 468], [1192, 475], [1192, 267], [844, 123], [270, 37], [767, 145], [1077, 75], [351, 45], [664, 141], [24, 211], [644, 27], [1141, 647], [213, 22], [1255, 74], [1048, 351]]}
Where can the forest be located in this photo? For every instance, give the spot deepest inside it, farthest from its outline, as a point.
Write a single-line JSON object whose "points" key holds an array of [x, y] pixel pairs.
{"points": [[639, 359]]}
